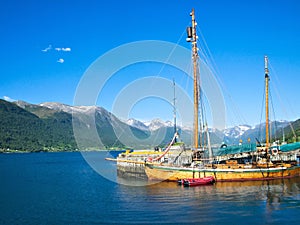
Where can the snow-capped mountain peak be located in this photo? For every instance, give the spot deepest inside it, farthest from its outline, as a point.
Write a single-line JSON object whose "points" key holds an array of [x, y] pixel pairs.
{"points": [[156, 124], [152, 125], [236, 131], [72, 109], [22, 104], [137, 124], [57, 106]]}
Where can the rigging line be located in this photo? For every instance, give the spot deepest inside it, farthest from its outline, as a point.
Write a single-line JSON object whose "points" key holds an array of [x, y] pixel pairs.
{"points": [[216, 71], [188, 77], [205, 51], [201, 117], [206, 58], [169, 56], [204, 113], [261, 117], [234, 109], [278, 84], [201, 93], [279, 95], [188, 85], [213, 66], [273, 110], [171, 53], [204, 119], [281, 102], [209, 60]]}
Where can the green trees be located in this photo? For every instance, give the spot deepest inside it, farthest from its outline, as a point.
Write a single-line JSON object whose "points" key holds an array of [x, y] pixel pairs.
{"points": [[25, 131]]}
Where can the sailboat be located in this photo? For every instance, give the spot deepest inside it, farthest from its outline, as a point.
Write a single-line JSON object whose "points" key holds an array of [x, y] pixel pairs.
{"points": [[240, 163]]}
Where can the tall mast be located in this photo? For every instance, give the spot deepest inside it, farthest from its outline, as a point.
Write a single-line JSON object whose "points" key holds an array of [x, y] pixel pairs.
{"points": [[267, 101], [192, 37], [174, 111]]}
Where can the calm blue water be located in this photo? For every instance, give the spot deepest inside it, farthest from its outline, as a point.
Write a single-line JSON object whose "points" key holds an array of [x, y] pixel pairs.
{"points": [[61, 188]]}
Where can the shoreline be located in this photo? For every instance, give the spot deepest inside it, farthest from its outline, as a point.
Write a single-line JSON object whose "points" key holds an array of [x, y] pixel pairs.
{"points": [[43, 151]]}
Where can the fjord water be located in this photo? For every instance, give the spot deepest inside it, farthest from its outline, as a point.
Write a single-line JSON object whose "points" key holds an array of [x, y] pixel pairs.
{"points": [[62, 188]]}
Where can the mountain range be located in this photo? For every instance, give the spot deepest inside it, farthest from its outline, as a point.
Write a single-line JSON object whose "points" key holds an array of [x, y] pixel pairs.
{"points": [[54, 126]]}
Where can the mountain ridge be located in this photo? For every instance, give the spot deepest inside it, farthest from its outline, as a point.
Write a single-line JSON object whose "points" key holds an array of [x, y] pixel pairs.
{"points": [[49, 126]]}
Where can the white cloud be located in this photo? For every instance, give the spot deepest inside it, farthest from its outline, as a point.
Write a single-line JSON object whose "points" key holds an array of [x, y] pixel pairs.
{"points": [[56, 49], [60, 60], [63, 49], [47, 49], [66, 49], [6, 98]]}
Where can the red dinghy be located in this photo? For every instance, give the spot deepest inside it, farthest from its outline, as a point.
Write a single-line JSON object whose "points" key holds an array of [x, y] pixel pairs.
{"points": [[198, 181]]}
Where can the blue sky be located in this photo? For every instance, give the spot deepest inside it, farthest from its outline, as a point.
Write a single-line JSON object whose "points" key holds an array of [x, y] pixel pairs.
{"points": [[238, 34]]}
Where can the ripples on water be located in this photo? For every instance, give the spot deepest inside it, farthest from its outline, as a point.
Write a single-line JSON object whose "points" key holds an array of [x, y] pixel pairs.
{"points": [[61, 188], [226, 203]]}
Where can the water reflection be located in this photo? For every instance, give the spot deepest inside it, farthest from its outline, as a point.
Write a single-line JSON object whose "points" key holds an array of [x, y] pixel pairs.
{"points": [[256, 202], [268, 200], [270, 190]]}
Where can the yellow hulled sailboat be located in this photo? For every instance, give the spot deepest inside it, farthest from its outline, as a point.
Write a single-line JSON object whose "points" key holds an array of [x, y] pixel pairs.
{"points": [[239, 163]]}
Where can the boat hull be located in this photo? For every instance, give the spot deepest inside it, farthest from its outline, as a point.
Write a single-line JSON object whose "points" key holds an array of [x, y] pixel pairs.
{"points": [[198, 181], [169, 173]]}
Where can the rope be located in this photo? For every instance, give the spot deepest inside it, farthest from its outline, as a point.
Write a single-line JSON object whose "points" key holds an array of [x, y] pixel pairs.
{"points": [[166, 151]]}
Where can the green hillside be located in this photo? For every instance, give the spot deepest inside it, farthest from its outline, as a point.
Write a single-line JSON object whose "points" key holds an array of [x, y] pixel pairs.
{"points": [[290, 132], [23, 130], [28, 127]]}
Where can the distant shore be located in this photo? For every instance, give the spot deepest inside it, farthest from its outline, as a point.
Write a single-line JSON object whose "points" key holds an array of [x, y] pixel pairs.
{"points": [[40, 151]]}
